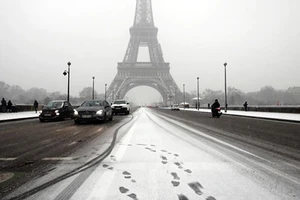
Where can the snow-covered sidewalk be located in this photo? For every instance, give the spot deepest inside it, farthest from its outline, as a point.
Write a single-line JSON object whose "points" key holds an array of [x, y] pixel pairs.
{"points": [[264, 115], [18, 115]]}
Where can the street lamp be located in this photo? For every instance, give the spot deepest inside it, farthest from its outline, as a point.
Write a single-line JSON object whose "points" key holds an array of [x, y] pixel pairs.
{"points": [[65, 73], [113, 97], [183, 96], [105, 92], [198, 104], [225, 64], [93, 88], [175, 96]]}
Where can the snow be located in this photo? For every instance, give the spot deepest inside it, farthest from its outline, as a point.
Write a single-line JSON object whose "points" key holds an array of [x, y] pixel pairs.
{"points": [[266, 115], [161, 170], [18, 115]]}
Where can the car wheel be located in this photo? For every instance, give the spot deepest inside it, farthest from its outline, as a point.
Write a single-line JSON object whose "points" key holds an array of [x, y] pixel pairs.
{"points": [[111, 117], [76, 121], [42, 120]]}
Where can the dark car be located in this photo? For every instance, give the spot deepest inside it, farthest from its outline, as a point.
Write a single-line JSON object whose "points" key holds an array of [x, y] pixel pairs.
{"points": [[94, 110], [57, 109]]}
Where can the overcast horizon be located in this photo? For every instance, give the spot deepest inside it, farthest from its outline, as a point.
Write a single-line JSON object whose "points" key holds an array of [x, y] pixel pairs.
{"points": [[260, 41]]}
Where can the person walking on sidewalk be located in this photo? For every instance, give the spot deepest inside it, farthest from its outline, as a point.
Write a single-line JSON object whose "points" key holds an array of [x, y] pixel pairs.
{"points": [[246, 105], [36, 105], [3, 105], [9, 106]]}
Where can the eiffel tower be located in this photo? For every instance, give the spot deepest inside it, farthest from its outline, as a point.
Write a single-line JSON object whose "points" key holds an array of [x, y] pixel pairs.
{"points": [[156, 73]]}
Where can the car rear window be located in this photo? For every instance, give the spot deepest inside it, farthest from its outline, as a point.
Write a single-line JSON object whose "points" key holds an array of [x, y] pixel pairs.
{"points": [[120, 102], [92, 103], [54, 104]]}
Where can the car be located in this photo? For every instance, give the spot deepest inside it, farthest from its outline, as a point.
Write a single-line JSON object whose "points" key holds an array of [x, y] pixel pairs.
{"points": [[175, 107], [57, 110], [93, 110], [121, 106]]}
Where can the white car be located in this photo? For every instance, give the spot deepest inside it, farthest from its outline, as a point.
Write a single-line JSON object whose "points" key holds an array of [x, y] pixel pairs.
{"points": [[121, 106], [175, 107]]}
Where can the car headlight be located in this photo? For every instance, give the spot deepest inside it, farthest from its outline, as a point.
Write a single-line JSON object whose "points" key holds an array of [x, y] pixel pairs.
{"points": [[75, 112], [57, 112], [99, 112]]}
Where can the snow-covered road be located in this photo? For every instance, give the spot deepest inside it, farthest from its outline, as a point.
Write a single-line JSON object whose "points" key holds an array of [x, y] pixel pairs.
{"points": [[156, 159]]}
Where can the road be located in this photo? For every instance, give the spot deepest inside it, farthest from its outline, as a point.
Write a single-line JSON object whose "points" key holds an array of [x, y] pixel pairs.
{"points": [[30, 148], [162, 154]]}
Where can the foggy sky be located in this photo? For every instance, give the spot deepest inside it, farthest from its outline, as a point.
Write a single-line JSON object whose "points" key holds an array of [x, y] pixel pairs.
{"points": [[259, 39]]}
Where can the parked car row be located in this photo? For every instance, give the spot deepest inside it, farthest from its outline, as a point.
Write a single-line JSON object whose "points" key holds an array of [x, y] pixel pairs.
{"points": [[92, 110]]}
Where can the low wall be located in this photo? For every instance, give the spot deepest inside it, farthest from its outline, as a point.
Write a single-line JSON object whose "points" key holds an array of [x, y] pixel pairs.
{"points": [[279, 109], [22, 108]]}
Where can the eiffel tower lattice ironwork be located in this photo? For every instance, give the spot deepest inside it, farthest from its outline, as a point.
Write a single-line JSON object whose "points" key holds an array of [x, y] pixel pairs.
{"points": [[156, 73]]}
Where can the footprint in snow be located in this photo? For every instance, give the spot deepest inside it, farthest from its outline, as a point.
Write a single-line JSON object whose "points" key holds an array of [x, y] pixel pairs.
{"points": [[196, 186], [175, 181], [210, 198], [164, 160], [113, 158], [124, 190], [182, 197], [178, 165]]}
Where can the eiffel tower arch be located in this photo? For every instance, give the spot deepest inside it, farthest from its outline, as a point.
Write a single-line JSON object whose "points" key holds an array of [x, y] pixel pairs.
{"points": [[156, 73]]}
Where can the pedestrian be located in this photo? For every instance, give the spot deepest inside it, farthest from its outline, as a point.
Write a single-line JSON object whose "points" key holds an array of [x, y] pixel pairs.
{"points": [[36, 105], [3, 105], [9, 106], [215, 105], [246, 105]]}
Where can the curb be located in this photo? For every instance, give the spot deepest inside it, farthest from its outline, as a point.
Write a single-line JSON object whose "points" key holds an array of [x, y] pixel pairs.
{"points": [[265, 118], [17, 119]]}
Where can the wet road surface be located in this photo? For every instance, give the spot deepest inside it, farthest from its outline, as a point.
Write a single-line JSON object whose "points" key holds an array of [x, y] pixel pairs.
{"points": [[29, 148]]}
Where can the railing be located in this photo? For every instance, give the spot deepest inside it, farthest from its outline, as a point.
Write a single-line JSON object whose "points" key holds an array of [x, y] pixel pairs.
{"points": [[279, 109]]}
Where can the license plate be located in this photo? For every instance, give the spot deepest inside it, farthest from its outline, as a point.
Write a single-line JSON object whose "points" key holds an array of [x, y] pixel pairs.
{"points": [[47, 115], [118, 108], [86, 116]]}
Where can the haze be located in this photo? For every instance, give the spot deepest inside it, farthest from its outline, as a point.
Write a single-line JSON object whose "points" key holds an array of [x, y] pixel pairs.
{"points": [[259, 39]]}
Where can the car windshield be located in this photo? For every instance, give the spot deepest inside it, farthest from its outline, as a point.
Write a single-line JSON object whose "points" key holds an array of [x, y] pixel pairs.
{"points": [[54, 104], [120, 102], [92, 103]]}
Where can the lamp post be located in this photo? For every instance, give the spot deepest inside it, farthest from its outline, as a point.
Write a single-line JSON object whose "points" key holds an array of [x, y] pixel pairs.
{"points": [[93, 88], [198, 104], [105, 92], [225, 64], [183, 96], [175, 96], [65, 73]]}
